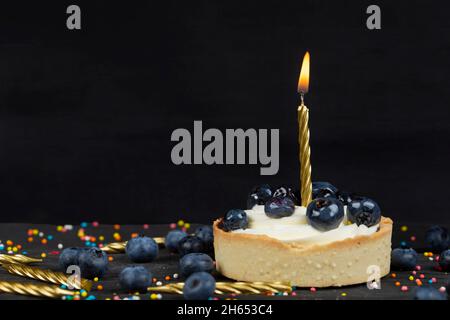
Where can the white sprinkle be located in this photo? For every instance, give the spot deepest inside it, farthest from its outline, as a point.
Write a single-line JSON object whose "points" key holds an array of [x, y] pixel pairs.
{"points": [[159, 283], [60, 246]]}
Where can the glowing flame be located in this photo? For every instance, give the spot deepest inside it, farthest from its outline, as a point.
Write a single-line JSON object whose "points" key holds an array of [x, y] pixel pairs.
{"points": [[303, 80]]}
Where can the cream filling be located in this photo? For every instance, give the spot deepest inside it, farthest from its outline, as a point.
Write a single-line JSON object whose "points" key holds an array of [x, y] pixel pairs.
{"points": [[295, 228]]}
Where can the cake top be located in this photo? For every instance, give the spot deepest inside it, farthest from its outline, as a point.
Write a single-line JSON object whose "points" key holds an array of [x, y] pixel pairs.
{"points": [[332, 215]]}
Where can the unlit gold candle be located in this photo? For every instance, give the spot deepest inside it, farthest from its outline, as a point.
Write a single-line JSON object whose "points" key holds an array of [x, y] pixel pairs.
{"points": [[303, 135], [230, 287], [119, 247], [33, 289], [47, 275]]}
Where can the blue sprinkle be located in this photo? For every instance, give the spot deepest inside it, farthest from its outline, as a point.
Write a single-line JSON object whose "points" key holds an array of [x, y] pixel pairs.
{"points": [[91, 297], [84, 224], [63, 286], [50, 237]]}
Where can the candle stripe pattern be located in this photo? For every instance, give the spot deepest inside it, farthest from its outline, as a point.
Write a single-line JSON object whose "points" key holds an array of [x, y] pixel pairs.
{"points": [[119, 247], [305, 153]]}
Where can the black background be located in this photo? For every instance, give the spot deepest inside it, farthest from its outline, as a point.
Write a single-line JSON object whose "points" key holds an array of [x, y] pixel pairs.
{"points": [[86, 116]]}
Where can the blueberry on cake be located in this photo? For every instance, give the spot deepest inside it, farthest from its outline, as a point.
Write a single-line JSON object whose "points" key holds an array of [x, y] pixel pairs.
{"points": [[337, 240]]}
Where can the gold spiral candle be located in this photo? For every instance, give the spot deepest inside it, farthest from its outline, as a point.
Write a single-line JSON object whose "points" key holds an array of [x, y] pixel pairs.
{"points": [[18, 258], [303, 135], [32, 289], [230, 287], [119, 247], [47, 275]]}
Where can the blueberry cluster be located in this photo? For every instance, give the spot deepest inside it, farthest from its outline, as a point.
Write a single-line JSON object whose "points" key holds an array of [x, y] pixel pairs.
{"points": [[92, 262], [325, 212]]}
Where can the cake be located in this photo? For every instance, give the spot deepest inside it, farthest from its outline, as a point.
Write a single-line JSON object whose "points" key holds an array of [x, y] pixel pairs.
{"points": [[338, 239]]}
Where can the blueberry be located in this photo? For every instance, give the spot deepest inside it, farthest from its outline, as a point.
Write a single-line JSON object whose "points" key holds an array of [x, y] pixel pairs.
{"points": [[325, 213], [444, 260], [135, 278], [364, 211], [437, 238], [142, 249], [199, 286], [322, 189], [346, 197], [173, 238], [190, 244], [69, 257], [259, 195], [235, 219], [205, 233], [403, 259], [279, 207], [195, 262], [93, 262], [428, 293], [282, 192]]}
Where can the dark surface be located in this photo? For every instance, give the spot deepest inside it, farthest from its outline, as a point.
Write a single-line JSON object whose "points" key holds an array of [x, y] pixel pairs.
{"points": [[167, 264], [86, 116]]}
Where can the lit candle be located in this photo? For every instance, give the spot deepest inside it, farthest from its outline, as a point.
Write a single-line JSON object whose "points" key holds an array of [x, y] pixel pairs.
{"points": [[303, 135]]}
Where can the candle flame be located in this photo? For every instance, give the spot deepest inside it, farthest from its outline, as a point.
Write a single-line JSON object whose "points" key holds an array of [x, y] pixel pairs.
{"points": [[303, 80]]}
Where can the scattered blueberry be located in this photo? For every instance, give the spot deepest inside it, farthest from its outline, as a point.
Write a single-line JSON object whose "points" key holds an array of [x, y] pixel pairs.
{"points": [[325, 213], [142, 249], [403, 259], [428, 293], [322, 189], [235, 219], [259, 195], [278, 207], [69, 257], [135, 278], [282, 192], [195, 262], [205, 233], [199, 286], [364, 211], [93, 262], [190, 244], [444, 260], [346, 197], [437, 238], [173, 238]]}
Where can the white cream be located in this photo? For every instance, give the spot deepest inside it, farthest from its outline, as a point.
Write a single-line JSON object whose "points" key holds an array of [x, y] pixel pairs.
{"points": [[295, 228]]}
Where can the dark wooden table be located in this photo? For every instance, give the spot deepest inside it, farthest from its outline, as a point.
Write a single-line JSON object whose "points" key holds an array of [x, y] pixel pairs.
{"points": [[167, 264]]}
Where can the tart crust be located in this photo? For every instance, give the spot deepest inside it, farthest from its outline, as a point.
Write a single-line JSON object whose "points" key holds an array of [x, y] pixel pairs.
{"points": [[249, 257]]}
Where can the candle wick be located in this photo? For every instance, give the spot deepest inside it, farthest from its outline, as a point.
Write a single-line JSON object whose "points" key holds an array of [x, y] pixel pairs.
{"points": [[302, 98]]}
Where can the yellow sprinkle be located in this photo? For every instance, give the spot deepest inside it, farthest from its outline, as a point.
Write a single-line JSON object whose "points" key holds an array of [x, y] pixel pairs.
{"points": [[180, 223], [404, 228], [43, 255], [411, 278], [96, 279], [153, 296], [343, 294], [187, 225], [59, 228], [101, 238], [84, 294], [108, 299]]}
